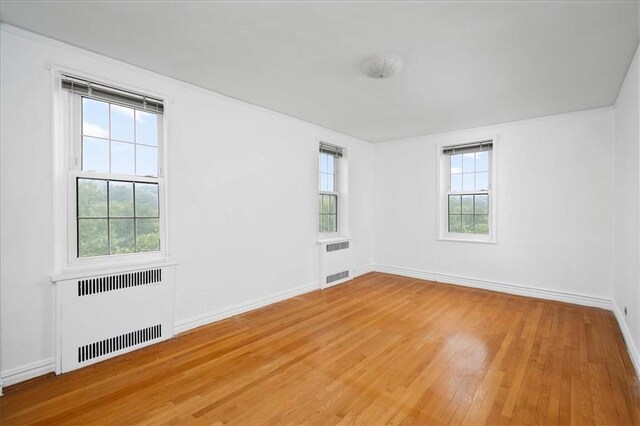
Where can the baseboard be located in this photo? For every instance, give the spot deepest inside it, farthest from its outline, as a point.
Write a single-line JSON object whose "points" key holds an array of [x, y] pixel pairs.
{"points": [[632, 348], [520, 290], [28, 371], [220, 314], [361, 270]]}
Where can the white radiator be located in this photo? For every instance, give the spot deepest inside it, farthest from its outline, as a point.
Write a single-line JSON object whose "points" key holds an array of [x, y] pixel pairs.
{"points": [[102, 316], [336, 262]]}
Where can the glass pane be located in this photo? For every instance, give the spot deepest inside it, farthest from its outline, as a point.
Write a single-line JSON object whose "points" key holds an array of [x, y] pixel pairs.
{"points": [[333, 203], [122, 158], [482, 181], [324, 182], [454, 204], [147, 235], [92, 237], [331, 160], [482, 224], [92, 198], [455, 223], [330, 183], [468, 183], [456, 163], [95, 118], [333, 223], [146, 128], [146, 200], [120, 200], [456, 183], [146, 161], [95, 155], [468, 162], [324, 163], [482, 161], [467, 204], [467, 223], [482, 204], [122, 236], [121, 123]]}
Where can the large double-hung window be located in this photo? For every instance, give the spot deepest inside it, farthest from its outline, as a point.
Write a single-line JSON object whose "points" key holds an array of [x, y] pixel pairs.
{"points": [[467, 199], [329, 193], [116, 176]]}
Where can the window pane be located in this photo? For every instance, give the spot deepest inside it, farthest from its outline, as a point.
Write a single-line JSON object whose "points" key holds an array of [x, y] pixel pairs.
{"points": [[482, 161], [324, 163], [92, 198], [147, 235], [331, 161], [95, 155], [455, 223], [468, 183], [122, 158], [333, 223], [467, 204], [146, 128], [122, 236], [482, 181], [328, 203], [454, 204], [146, 200], [468, 162], [456, 183], [482, 224], [120, 201], [92, 237], [482, 204], [324, 182], [467, 223], [456, 163], [121, 123], [146, 161], [95, 118]]}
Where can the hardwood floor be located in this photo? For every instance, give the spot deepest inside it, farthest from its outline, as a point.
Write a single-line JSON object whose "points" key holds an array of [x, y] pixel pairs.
{"points": [[381, 349]]}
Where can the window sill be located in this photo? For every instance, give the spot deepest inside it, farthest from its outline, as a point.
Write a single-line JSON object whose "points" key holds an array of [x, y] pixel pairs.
{"points": [[465, 240], [99, 268], [333, 240]]}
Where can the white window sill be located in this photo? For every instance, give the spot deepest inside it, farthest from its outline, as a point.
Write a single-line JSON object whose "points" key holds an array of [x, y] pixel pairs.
{"points": [[99, 268], [466, 240], [330, 240]]}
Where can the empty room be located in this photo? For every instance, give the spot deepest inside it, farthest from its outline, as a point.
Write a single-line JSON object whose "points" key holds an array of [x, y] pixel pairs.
{"points": [[319, 212]]}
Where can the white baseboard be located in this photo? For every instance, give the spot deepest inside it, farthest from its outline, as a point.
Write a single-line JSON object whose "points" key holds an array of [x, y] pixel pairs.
{"points": [[220, 314], [361, 270], [634, 353], [521, 290], [28, 371]]}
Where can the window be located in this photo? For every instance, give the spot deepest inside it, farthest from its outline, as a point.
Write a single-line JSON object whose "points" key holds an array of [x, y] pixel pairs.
{"points": [[467, 201], [116, 144], [328, 188]]}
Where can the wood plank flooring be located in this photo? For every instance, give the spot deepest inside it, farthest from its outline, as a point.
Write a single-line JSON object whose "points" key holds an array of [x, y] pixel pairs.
{"points": [[381, 349]]}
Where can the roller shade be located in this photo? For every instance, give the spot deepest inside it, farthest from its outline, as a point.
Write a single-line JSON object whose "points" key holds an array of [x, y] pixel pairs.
{"points": [[330, 149], [472, 147], [112, 94]]}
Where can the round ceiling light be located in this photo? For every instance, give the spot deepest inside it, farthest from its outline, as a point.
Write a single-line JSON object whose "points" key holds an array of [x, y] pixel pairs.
{"points": [[381, 66]]}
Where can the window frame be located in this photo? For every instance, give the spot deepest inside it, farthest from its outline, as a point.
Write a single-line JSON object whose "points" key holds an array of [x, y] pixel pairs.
{"points": [[444, 190], [340, 192], [69, 106]]}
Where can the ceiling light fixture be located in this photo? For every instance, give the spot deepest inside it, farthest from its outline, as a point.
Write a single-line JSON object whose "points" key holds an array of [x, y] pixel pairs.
{"points": [[379, 67]]}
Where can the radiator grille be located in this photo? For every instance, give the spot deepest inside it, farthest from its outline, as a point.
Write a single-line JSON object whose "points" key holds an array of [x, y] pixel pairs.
{"points": [[117, 282], [338, 246], [103, 347], [338, 276]]}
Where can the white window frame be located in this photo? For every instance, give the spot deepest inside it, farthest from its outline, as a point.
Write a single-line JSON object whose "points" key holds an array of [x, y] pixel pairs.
{"points": [[67, 137], [444, 183], [340, 191]]}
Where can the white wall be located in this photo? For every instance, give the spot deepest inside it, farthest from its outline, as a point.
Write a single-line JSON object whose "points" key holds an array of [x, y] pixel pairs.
{"points": [[554, 186], [242, 186], [626, 278]]}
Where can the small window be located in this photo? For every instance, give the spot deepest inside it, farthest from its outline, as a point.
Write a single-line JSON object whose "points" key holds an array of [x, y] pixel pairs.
{"points": [[467, 192], [328, 188], [117, 175]]}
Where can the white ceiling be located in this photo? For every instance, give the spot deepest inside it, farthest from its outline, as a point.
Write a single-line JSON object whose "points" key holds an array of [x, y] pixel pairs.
{"points": [[466, 63]]}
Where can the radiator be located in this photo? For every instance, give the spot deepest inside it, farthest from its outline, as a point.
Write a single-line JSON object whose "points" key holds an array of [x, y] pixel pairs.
{"points": [[336, 262], [102, 316]]}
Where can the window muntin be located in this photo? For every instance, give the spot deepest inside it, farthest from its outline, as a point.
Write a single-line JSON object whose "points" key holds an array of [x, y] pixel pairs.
{"points": [[117, 186], [328, 195], [468, 198]]}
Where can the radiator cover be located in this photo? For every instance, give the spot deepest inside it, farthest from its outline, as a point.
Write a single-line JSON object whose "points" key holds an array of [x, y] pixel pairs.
{"points": [[102, 316], [336, 262]]}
